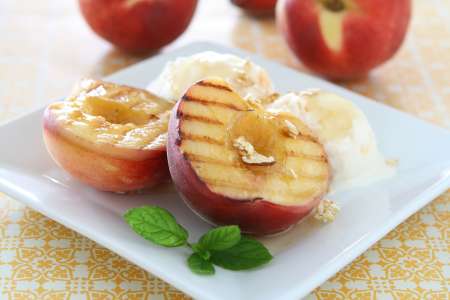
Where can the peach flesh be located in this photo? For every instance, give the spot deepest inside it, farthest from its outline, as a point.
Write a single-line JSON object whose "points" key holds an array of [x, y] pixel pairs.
{"points": [[104, 172], [72, 129]]}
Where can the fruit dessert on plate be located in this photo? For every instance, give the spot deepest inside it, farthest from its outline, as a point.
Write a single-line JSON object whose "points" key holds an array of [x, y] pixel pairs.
{"points": [[237, 152], [110, 136], [235, 163]]}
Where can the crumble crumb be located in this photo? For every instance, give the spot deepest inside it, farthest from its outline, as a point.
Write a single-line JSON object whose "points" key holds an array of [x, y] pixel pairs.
{"points": [[309, 92], [249, 154], [392, 162], [269, 99], [326, 211], [293, 174], [291, 128], [254, 103]]}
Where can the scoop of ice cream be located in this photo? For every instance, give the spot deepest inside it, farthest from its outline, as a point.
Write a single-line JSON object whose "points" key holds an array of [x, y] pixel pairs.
{"points": [[344, 131], [246, 78]]}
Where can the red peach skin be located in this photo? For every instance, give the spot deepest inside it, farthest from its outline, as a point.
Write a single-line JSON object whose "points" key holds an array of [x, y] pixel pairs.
{"points": [[370, 35], [138, 25], [254, 216], [259, 7]]}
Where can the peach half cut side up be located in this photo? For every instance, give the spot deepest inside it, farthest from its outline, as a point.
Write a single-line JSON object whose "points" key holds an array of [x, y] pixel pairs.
{"points": [[235, 163], [109, 136]]}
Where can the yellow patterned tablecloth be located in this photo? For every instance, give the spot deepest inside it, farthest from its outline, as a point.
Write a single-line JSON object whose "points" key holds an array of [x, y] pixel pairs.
{"points": [[45, 47]]}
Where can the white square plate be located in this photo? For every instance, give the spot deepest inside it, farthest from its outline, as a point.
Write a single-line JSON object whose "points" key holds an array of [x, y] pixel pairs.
{"points": [[304, 258]]}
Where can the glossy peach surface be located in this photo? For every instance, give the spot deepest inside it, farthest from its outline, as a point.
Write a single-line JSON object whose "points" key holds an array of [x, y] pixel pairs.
{"points": [[109, 136]]}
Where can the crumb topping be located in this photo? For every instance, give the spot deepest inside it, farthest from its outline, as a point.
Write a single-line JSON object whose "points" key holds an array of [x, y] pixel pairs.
{"points": [[249, 155], [269, 99], [392, 162], [292, 130], [309, 92], [327, 211]]}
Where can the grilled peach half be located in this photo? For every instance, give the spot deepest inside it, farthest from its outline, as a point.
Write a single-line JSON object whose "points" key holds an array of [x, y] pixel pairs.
{"points": [[235, 163], [109, 136]]}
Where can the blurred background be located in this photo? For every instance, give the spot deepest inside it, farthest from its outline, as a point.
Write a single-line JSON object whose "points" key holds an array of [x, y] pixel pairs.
{"points": [[46, 46]]}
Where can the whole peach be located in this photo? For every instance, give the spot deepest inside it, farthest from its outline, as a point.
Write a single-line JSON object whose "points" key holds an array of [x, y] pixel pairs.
{"points": [[258, 7], [343, 39], [138, 25]]}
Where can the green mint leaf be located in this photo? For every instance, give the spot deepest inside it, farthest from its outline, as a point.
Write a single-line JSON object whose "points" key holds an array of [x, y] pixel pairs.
{"points": [[157, 225], [200, 250], [197, 248], [199, 265], [221, 238], [246, 254]]}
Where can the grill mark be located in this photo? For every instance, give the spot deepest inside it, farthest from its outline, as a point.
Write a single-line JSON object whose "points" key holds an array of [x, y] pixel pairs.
{"points": [[301, 137], [179, 113], [208, 160], [193, 157], [213, 85], [200, 138], [157, 113], [228, 184], [200, 119], [114, 91], [307, 138], [92, 87], [191, 98], [178, 141], [320, 158], [152, 117], [245, 187]]}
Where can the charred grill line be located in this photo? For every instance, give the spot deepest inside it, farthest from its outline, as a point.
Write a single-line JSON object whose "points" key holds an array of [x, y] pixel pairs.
{"points": [[200, 138], [306, 138], [320, 158], [216, 86], [208, 160], [201, 119], [245, 187], [192, 98]]}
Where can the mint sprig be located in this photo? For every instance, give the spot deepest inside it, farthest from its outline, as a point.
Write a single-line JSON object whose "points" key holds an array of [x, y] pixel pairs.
{"points": [[246, 254], [221, 238], [157, 225], [199, 265], [222, 246]]}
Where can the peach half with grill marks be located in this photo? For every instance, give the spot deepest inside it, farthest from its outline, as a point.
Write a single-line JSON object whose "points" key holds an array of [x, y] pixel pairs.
{"points": [[109, 136], [235, 163]]}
